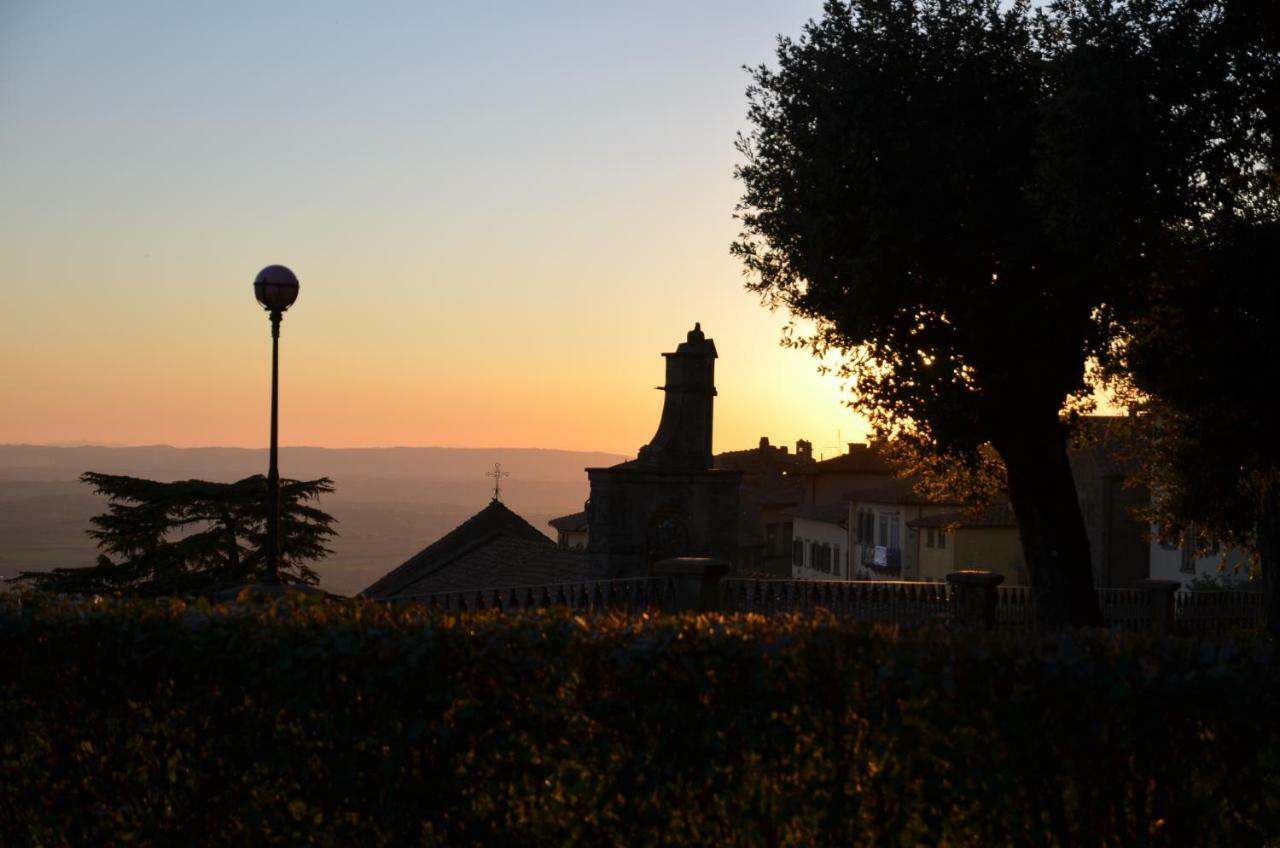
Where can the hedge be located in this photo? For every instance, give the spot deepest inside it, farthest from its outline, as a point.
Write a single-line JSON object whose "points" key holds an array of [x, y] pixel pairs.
{"points": [[160, 723]]}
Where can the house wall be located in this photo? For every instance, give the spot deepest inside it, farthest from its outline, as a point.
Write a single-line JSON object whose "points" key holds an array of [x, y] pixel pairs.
{"points": [[908, 537], [936, 563], [572, 539], [825, 487], [1168, 562], [807, 532], [1118, 549], [778, 529], [995, 549]]}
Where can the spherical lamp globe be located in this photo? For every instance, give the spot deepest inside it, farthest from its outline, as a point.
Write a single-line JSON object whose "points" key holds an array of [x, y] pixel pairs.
{"points": [[276, 288]]}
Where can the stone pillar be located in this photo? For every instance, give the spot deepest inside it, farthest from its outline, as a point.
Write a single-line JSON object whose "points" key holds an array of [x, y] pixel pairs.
{"points": [[973, 596], [697, 581], [1159, 603]]}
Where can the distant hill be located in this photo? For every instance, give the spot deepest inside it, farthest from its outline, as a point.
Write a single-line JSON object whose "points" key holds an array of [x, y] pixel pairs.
{"points": [[161, 462], [390, 502]]}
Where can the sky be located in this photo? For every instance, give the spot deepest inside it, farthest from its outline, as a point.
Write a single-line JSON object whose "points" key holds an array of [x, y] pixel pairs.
{"points": [[501, 215]]}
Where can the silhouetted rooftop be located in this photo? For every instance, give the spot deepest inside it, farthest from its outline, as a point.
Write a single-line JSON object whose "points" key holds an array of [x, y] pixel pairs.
{"points": [[861, 459], [504, 562], [573, 523], [494, 521]]}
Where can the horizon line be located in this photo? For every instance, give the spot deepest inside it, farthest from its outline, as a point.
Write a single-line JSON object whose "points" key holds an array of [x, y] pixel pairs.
{"points": [[75, 445]]}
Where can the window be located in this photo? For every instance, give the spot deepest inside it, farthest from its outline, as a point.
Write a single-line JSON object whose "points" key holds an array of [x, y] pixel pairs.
{"points": [[1188, 564], [815, 555], [942, 538], [865, 530], [1189, 551], [797, 553], [928, 542], [883, 536]]}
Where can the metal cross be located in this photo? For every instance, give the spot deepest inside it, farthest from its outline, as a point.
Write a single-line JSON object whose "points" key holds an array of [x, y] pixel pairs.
{"points": [[497, 474]]}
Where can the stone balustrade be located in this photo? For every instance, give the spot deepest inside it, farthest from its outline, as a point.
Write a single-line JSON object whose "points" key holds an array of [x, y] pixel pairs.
{"points": [[974, 599]]}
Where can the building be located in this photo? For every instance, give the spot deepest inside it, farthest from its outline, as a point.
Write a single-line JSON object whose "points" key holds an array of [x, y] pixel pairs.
{"points": [[828, 481], [820, 545], [494, 549], [770, 487], [1178, 559], [882, 538], [953, 541], [571, 530], [1110, 504], [669, 501]]}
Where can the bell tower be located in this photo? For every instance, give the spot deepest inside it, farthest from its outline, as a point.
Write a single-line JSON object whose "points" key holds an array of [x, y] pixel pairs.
{"points": [[668, 501], [683, 439]]}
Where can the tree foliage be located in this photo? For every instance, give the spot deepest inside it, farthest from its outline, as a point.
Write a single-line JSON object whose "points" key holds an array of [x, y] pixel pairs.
{"points": [[1198, 353], [194, 535], [970, 200]]}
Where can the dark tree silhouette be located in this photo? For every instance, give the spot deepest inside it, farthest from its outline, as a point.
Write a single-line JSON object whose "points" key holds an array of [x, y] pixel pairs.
{"points": [[1198, 350], [968, 199], [193, 536], [1204, 361]]}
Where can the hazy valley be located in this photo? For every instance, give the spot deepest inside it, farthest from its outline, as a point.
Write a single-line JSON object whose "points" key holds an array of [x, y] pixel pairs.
{"points": [[389, 503]]}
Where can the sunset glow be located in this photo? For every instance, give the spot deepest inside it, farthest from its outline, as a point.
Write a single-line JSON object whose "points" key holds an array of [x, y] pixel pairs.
{"points": [[500, 215]]}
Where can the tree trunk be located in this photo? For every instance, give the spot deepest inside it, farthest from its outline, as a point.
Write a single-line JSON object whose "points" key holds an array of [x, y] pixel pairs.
{"points": [[1042, 491], [1268, 542]]}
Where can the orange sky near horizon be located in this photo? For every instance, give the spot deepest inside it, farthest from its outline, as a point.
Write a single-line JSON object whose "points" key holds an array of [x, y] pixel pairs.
{"points": [[500, 216]]}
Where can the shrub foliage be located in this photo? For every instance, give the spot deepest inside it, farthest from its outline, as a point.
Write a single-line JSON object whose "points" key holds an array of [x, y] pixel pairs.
{"points": [[161, 723]]}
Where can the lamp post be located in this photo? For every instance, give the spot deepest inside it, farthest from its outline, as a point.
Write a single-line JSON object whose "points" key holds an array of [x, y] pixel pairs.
{"points": [[276, 288]]}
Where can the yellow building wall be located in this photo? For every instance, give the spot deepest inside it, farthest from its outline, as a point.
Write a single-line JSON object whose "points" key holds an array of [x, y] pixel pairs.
{"points": [[936, 563], [995, 549]]}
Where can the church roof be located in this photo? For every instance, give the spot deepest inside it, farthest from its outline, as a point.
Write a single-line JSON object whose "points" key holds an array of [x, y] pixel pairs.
{"points": [[494, 521], [503, 562]]}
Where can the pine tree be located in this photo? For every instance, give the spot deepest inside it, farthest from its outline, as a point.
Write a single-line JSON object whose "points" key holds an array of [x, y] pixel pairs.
{"points": [[193, 536]]}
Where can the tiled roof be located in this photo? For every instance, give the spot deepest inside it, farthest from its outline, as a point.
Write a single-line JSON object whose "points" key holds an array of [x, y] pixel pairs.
{"points": [[831, 513], [494, 520], [861, 459], [504, 562], [998, 515], [574, 523], [765, 460], [896, 490]]}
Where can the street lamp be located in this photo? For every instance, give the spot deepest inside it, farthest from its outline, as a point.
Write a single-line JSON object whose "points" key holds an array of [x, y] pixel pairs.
{"points": [[276, 288]]}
